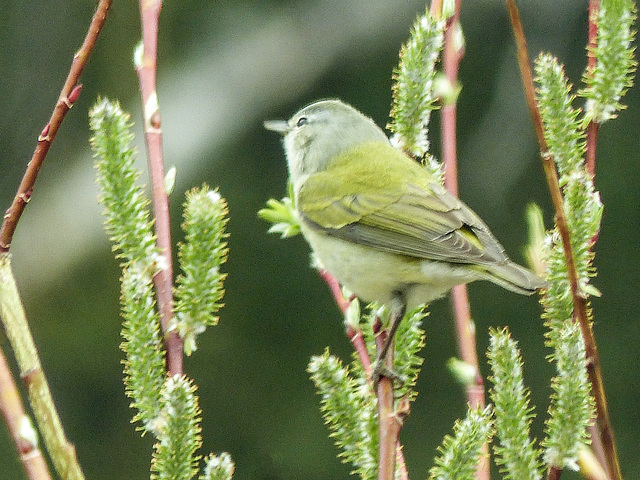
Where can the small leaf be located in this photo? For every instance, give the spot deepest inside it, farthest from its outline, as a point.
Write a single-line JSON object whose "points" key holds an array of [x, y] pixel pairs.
{"points": [[283, 216], [170, 180]]}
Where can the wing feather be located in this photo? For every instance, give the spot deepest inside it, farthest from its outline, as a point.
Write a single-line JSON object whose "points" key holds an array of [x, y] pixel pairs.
{"points": [[421, 220]]}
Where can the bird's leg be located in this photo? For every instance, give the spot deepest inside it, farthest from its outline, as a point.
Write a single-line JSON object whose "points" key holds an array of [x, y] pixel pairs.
{"points": [[380, 369], [389, 423]]}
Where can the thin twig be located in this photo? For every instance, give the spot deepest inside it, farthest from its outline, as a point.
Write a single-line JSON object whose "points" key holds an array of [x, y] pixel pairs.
{"points": [[580, 311], [467, 347], [590, 162], [359, 345], [163, 281], [553, 473], [336, 291], [401, 469], [390, 423], [355, 336], [596, 445], [13, 413], [68, 96], [61, 451], [592, 128], [591, 141], [466, 333]]}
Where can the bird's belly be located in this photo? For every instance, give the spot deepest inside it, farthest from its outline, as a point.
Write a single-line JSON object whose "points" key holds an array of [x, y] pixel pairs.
{"points": [[375, 275]]}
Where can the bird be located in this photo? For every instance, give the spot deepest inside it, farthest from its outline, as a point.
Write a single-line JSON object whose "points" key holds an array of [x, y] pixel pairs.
{"points": [[379, 221]]}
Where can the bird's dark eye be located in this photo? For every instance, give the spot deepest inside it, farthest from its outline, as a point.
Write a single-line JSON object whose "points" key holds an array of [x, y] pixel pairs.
{"points": [[302, 121]]}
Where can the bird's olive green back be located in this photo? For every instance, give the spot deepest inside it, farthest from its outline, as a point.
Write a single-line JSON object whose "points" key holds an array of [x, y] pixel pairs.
{"points": [[390, 202]]}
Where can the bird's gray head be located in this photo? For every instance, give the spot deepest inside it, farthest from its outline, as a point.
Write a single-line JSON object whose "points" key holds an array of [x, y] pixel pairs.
{"points": [[319, 132]]}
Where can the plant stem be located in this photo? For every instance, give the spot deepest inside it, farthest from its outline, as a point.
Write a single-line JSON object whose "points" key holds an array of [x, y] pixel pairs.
{"points": [[596, 445], [467, 347], [390, 424], [592, 128], [464, 327], [68, 96], [163, 281], [336, 291], [580, 312], [355, 336], [61, 451], [357, 340], [13, 413], [553, 473], [359, 345]]}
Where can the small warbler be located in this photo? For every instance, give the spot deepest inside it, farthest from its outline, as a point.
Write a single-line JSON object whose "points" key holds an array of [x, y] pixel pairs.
{"points": [[378, 221]]}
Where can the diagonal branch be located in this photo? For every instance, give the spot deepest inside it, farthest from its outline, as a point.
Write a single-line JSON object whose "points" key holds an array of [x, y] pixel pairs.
{"points": [[580, 312], [68, 96], [61, 451], [592, 128], [393, 422], [19, 426]]}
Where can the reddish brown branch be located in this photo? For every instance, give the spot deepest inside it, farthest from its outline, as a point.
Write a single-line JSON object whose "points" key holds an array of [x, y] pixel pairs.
{"points": [[11, 406], [359, 345], [580, 310], [68, 96], [355, 336], [592, 128], [553, 473], [163, 281], [401, 469], [467, 347], [452, 55], [390, 423], [13, 413], [596, 445], [466, 337], [336, 291], [591, 141]]}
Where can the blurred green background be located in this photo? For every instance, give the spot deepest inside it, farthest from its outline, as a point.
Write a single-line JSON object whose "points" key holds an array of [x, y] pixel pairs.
{"points": [[224, 67]]}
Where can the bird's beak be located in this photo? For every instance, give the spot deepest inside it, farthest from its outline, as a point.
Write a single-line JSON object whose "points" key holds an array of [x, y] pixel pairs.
{"points": [[280, 126]]}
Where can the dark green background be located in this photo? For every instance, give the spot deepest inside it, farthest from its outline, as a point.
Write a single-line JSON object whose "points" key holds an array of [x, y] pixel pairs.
{"points": [[224, 67]]}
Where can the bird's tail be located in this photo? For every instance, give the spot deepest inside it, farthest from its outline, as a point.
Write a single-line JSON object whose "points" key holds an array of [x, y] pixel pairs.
{"points": [[513, 277]]}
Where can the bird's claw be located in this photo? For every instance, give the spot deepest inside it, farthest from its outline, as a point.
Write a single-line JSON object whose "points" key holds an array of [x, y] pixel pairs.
{"points": [[379, 370]]}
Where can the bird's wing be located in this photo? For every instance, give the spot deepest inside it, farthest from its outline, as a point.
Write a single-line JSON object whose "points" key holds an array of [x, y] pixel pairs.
{"points": [[418, 219]]}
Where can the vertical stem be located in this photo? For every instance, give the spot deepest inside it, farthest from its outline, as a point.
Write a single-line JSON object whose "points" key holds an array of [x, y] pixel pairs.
{"points": [[147, 68], [464, 327], [467, 346], [357, 340], [553, 473], [590, 146], [390, 423]]}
